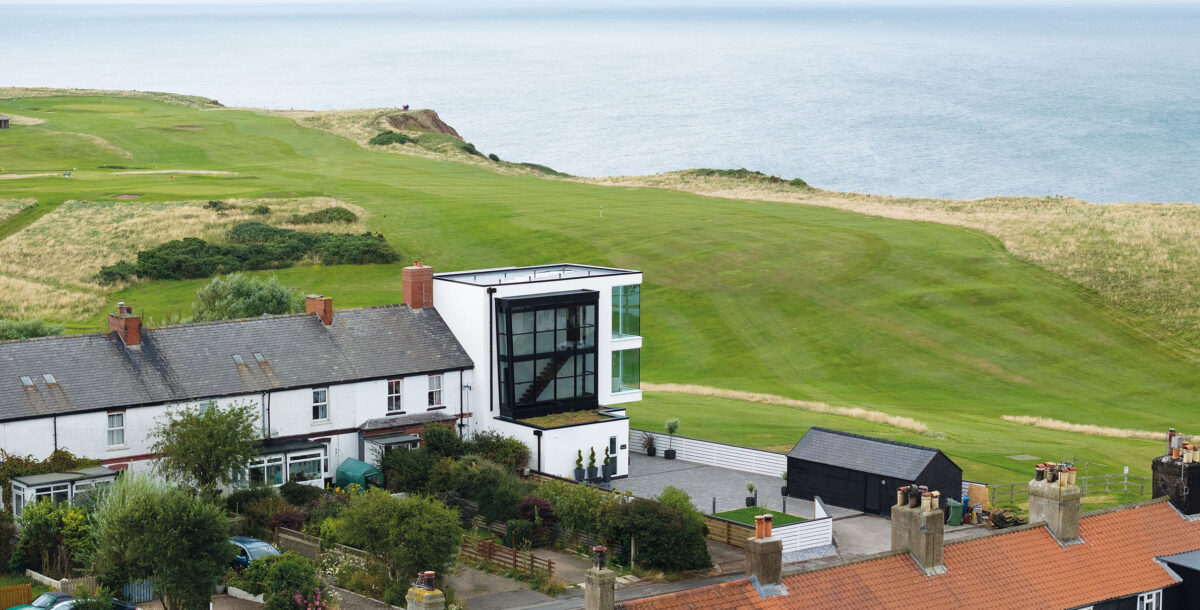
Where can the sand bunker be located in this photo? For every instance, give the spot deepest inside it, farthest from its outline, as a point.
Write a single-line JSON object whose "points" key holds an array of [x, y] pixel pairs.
{"points": [[15, 176], [127, 196], [17, 119], [195, 172], [190, 127]]}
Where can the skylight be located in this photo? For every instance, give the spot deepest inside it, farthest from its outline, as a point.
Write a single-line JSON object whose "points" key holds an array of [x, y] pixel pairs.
{"points": [[259, 357], [238, 359], [26, 381], [49, 378]]}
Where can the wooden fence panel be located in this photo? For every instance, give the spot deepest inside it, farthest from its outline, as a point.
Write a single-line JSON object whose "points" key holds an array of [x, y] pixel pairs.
{"points": [[75, 586], [298, 542], [482, 549], [16, 595]]}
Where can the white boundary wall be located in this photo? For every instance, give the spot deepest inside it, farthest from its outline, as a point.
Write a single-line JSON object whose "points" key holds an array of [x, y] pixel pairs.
{"points": [[732, 457]]}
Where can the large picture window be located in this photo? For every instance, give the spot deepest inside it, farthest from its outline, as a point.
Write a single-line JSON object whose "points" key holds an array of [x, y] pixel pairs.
{"points": [[267, 469], [306, 467], [547, 353], [626, 370], [626, 311]]}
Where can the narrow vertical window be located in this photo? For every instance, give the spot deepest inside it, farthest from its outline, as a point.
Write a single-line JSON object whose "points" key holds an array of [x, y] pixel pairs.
{"points": [[395, 396], [116, 429], [435, 391], [320, 403]]}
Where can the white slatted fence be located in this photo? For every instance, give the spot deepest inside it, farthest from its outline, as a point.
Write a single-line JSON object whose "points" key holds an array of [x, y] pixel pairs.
{"points": [[710, 453]]}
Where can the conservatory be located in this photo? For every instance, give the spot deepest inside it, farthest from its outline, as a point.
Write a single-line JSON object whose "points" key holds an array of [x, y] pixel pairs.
{"points": [[57, 486]]}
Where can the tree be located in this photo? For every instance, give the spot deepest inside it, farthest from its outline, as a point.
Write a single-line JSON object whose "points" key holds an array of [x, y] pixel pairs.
{"points": [[412, 534], [144, 529], [244, 296], [207, 446], [54, 538]]}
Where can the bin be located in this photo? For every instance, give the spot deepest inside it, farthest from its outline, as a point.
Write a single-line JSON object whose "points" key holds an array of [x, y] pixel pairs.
{"points": [[955, 512]]}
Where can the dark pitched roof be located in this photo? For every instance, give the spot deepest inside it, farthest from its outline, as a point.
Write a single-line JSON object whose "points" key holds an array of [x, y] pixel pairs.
{"points": [[393, 422], [1116, 559], [195, 361], [863, 453]]}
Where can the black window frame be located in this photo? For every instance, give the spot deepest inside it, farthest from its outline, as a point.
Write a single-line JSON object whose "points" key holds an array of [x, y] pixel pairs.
{"points": [[564, 344]]}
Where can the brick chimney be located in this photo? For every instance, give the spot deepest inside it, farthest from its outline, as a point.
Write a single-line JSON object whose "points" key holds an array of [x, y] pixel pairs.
{"points": [[764, 560], [423, 595], [1176, 473], [417, 284], [126, 325], [320, 305], [918, 526], [1055, 500]]}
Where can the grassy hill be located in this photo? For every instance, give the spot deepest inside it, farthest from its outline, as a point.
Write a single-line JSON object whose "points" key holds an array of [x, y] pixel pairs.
{"points": [[933, 322]]}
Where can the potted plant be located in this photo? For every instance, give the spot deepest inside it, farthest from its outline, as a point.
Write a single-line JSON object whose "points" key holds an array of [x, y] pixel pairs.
{"points": [[750, 499], [672, 428], [648, 445], [783, 490], [579, 465], [607, 472], [591, 470]]}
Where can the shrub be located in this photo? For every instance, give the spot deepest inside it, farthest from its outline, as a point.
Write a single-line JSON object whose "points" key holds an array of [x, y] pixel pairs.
{"points": [[8, 533], [666, 539], [116, 272], [85, 600], [537, 511], [244, 296], [494, 157], [299, 495], [442, 440], [407, 471], [385, 138], [496, 489], [500, 449], [328, 505], [26, 329], [327, 215], [329, 530], [410, 534], [287, 577], [261, 209], [254, 577], [288, 516], [217, 205], [518, 534], [55, 537], [272, 511], [240, 499], [470, 149], [579, 508]]}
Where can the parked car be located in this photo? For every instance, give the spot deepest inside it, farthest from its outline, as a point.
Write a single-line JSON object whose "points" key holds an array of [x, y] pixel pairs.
{"points": [[44, 601], [116, 604], [250, 549]]}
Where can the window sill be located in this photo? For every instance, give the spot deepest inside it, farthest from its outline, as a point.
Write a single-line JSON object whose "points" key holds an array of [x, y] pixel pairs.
{"points": [[437, 408], [321, 422], [117, 447], [391, 413]]}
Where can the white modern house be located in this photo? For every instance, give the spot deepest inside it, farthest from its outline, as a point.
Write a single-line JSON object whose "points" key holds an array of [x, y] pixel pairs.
{"points": [[331, 385]]}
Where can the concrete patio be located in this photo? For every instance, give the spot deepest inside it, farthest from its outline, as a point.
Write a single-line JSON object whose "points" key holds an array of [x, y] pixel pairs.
{"points": [[648, 476]]}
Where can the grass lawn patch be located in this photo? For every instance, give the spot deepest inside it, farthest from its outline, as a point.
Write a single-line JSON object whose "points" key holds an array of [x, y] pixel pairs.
{"points": [[8, 580], [746, 516], [556, 420]]}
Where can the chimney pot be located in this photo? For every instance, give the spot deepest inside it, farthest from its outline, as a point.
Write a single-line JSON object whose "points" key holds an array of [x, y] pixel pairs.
{"points": [[417, 285], [126, 325], [767, 525], [919, 528], [320, 305]]}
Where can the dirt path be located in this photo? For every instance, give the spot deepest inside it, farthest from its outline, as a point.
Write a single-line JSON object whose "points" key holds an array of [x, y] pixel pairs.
{"points": [[17, 176], [197, 172]]}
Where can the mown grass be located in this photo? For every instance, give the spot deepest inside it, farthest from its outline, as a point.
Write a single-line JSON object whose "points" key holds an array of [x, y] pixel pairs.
{"points": [[927, 321], [746, 516]]}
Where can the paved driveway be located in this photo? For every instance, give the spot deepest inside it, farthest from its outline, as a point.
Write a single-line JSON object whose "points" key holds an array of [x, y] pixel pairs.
{"points": [[648, 476]]}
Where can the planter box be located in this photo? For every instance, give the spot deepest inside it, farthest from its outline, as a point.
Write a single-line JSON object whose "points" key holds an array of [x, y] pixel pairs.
{"points": [[237, 593], [669, 454]]}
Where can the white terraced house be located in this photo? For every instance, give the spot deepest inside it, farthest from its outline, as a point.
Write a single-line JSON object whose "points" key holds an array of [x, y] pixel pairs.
{"points": [[486, 349]]}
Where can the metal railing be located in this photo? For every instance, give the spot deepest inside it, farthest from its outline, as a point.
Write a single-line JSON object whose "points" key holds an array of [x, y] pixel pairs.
{"points": [[1100, 484]]}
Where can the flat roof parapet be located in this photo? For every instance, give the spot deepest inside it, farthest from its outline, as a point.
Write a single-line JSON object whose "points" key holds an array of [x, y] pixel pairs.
{"points": [[525, 275]]}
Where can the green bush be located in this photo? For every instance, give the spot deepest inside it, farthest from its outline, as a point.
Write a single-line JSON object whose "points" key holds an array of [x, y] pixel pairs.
{"points": [[26, 329], [501, 449], [244, 296], [495, 488], [327, 215], [292, 575], [518, 534], [410, 534], [254, 577], [219, 206], [442, 440], [407, 471], [8, 533], [494, 157], [261, 209], [240, 499], [470, 149], [666, 539], [579, 508], [251, 246], [102, 600], [385, 138], [299, 495], [55, 539]]}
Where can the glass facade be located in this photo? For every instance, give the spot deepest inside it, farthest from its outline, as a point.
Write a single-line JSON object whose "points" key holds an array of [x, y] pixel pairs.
{"points": [[627, 311], [626, 370], [547, 353]]}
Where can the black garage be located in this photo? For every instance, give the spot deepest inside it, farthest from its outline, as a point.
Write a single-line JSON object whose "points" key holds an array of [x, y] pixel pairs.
{"points": [[862, 473]]}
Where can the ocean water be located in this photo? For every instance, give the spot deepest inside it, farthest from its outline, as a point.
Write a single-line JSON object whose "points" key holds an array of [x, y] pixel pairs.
{"points": [[1094, 101]]}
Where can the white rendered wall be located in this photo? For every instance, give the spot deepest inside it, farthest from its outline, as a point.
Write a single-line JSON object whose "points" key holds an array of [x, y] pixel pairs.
{"points": [[559, 446]]}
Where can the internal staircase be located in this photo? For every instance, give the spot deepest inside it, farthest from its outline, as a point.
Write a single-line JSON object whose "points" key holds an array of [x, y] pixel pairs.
{"points": [[545, 376]]}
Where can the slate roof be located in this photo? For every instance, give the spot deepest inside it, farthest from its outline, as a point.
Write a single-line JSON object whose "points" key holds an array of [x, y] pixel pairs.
{"points": [[402, 421], [195, 361], [91, 472], [863, 453], [1116, 559]]}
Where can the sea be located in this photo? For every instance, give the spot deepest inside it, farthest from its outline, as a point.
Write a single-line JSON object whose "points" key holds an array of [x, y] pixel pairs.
{"points": [[1097, 101]]}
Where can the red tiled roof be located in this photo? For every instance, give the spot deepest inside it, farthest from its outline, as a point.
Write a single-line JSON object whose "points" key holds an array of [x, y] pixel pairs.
{"points": [[1115, 559]]}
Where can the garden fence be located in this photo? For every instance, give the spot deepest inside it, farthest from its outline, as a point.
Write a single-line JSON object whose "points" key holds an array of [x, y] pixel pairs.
{"points": [[733, 457], [1099, 484], [349, 550], [16, 595], [139, 591], [298, 542], [482, 549]]}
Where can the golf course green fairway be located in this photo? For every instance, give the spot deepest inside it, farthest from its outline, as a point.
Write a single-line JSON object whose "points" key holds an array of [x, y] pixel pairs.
{"points": [[928, 321]]}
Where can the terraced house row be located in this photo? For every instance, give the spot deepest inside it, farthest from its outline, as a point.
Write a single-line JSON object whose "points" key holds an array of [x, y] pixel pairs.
{"points": [[484, 349]]}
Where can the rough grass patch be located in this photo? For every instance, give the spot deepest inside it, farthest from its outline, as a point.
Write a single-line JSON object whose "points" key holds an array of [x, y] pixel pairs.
{"points": [[1091, 429]]}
